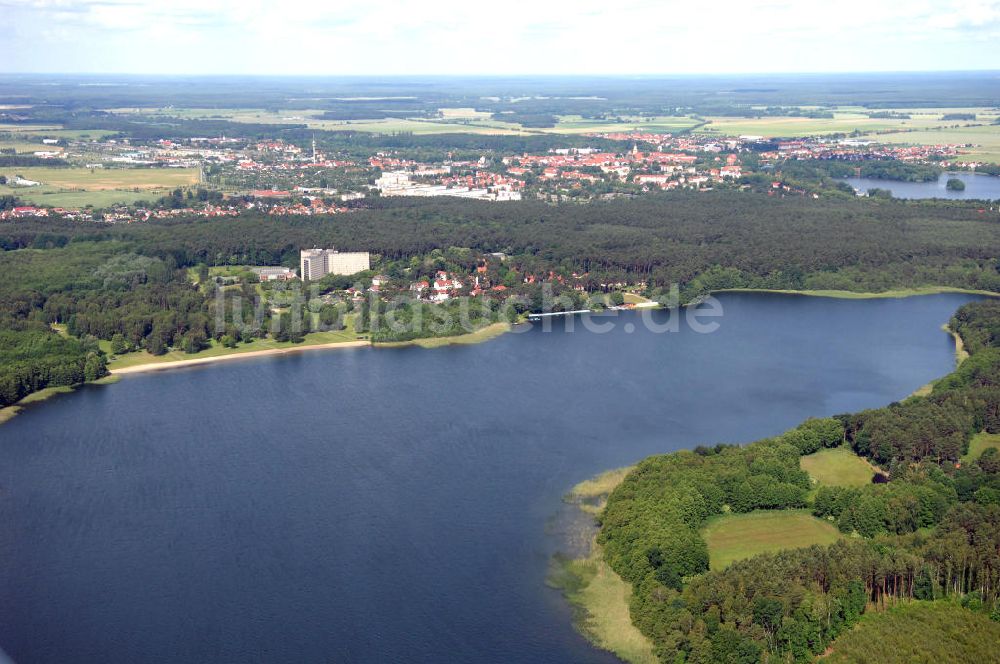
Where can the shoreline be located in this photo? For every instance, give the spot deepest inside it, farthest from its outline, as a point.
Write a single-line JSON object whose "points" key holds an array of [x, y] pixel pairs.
{"points": [[495, 330], [960, 356], [864, 295], [8, 413], [598, 595], [481, 335], [195, 361], [491, 331]]}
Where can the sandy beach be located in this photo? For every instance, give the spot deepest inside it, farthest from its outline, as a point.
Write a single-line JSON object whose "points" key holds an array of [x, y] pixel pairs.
{"points": [[157, 366]]}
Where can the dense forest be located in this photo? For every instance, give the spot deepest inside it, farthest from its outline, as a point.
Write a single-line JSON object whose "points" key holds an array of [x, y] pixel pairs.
{"points": [[931, 531], [814, 169], [920, 632], [756, 241], [102, 280]]}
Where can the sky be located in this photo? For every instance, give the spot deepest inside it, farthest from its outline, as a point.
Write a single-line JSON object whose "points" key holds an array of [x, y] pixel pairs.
{"points": [[401, 37]]}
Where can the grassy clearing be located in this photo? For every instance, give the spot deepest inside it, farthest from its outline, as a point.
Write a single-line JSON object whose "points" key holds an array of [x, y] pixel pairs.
{"points": [[632, 298], [979, 444], [837, 467], [738, 536], [479, 336], [924, 632], [601, 599]]}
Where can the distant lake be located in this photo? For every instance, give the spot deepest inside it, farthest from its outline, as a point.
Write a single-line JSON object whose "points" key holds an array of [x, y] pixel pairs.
{"points": [[977, 186], [390, 505]]}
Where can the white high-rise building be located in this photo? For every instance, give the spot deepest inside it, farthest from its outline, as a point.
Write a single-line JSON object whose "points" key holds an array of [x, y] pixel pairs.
{"points": [[315, 263]]}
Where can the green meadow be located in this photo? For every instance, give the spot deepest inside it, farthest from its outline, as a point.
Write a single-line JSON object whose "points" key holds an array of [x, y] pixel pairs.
{"points": [[738, 536], [980, 443], [837, 467]]}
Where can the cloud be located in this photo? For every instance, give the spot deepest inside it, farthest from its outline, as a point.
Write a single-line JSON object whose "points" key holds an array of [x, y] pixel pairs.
{"points": [[515, 36]]}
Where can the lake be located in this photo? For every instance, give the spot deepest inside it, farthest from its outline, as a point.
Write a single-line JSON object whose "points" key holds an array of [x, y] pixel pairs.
{"points": [[977, 186], [383, 505]]}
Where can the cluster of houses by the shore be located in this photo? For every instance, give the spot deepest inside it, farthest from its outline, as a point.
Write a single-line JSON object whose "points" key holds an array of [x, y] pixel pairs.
{"points": [[442, 286]]}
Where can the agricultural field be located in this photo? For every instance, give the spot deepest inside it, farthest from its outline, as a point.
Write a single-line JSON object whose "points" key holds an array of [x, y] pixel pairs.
{"points": [[574, 124], [80, 199], [984, 138], [926, 126], [787, 127], [27, 128], [21, 146], [79, 187], [464, 114], [420, 126], [53, 131], [454, 120], [837, 467], [738, 536], [461, 122]]}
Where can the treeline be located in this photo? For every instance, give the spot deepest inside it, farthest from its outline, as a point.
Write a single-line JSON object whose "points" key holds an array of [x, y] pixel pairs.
{"points": [[931, 531], [673, 238], [937, 632], [879, 169], [96, 290], [12, 161], [34, 357], [8, 202]]}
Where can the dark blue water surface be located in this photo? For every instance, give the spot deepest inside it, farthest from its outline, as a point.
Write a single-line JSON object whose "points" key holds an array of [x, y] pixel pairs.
{"points": [[384, 505]]}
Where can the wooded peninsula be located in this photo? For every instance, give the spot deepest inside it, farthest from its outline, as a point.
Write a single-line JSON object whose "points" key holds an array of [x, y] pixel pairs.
{"points": [[923, 534]]}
